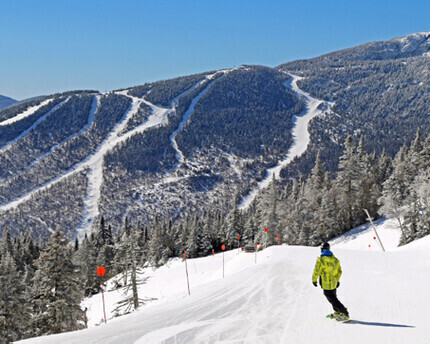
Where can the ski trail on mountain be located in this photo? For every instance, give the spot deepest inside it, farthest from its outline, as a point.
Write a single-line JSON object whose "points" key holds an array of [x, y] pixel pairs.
{"points": [[25, 114], [301, 137], [95, 169], [91, 117], [179, 155], [93, 163], [35, 124], [159, 116]]}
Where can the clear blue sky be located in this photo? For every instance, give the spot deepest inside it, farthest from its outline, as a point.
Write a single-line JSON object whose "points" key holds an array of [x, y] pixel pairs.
{"points": [[47, 46]]}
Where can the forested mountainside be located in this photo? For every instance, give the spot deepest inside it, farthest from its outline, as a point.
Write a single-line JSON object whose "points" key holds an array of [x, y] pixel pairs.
{"points": [[182, 146], [380, 90]]}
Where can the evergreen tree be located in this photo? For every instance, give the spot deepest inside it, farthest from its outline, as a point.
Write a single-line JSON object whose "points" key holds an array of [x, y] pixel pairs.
{"points": [[346, 181], [414, 155], [155, 247], [86, 259], [6, 245], [204, 245], [104, 245], [121, 264], [14, 309], [250, 229], [131, 260], [57, 291], [192, 247], [235, 225], [395, 190]]}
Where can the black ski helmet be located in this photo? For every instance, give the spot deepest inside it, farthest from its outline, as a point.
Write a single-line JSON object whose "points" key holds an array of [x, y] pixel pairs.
{"points": [[325, 246]]}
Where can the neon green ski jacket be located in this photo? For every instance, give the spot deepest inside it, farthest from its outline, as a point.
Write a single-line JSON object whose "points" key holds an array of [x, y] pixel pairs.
{"points": [[328, 269]]}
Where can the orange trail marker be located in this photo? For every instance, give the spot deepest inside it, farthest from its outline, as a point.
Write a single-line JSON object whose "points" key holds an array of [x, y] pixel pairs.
{"points": [[101, 271]]}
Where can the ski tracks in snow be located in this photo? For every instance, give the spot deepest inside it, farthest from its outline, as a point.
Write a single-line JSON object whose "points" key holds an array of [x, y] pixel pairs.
{"points": [[301, 138]]}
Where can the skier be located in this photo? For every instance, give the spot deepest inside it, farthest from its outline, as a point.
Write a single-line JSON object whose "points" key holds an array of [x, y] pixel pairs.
{"points": [[328, 271]]}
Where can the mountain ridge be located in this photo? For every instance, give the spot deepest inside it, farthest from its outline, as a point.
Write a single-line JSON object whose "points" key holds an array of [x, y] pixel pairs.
{"points": [[202, 141], [6, 101]]}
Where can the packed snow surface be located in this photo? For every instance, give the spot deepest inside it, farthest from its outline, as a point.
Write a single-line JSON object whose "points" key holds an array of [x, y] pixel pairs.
{"points": [[272, 299]]}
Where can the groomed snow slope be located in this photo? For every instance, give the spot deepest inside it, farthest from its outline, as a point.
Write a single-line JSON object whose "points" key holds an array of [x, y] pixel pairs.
{"points": [[274, 301]]}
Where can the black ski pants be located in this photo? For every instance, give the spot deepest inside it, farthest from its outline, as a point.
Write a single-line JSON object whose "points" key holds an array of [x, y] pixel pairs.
{"points": [[337, 305]]}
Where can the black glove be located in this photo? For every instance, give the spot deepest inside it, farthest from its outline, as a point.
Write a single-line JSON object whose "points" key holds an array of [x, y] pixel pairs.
{"points": [[338, 284], [315, 284]]}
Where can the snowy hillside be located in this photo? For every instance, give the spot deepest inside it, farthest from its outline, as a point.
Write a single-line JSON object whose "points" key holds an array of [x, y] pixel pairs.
{"points": [[273, 300], [184, 146]]}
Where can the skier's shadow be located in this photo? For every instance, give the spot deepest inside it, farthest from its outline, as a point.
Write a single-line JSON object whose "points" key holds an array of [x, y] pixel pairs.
{"points": [[366, 323]]}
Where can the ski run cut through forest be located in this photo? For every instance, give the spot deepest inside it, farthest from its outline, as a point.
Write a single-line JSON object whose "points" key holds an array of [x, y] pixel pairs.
{"points": [[269, 297]]}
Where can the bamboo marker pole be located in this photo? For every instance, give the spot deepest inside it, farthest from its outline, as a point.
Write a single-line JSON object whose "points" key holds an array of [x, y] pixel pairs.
{"points": [[186, 271], [374, 228]]}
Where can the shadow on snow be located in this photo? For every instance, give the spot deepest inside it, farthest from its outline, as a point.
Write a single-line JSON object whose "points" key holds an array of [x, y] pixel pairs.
{"points": [[366, 323]]}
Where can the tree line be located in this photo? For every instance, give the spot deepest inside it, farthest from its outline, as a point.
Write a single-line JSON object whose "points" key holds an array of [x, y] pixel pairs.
{"points": [[44, 283]]}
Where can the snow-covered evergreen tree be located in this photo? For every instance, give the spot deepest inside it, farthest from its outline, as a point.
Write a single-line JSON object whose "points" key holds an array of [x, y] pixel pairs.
{"points": [[132, 301], [14, 308], [86, 259], [155, 247], [6, 245], [346, 181], [104, 245], [58, 290]]}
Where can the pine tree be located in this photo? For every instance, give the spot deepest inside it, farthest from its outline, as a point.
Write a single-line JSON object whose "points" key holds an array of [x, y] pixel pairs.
{"points": [[155, 247], [250, 229], [396, 189], [57, 291], [104, 245], [121, 264], [14, 309], [192, 248], [131, 260], [86, 259], [414, 156], [346, 181], [235, 225], [6, 245], [417, 217], [204, 245]]}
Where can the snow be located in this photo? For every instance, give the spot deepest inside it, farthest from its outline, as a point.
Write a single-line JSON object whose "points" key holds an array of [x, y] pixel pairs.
{"points": [[91, 117], [179, 155], [94, 162], [24, 114], [273, 300], [301, 138]]}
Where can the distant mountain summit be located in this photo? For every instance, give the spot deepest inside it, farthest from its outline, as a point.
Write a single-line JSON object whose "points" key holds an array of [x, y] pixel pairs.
{"points": [[413, 45], [6, 101]]}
